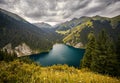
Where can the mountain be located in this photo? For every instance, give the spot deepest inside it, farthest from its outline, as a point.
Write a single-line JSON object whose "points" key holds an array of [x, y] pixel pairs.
{"points": [[65, 28], [16, 33], [70, 24], [77, 35], [76, 21], [43, 25], [49, 30], [14, 16], [67, 25]]}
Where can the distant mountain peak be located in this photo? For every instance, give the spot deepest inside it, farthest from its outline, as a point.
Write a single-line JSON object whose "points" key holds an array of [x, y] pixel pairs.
{"points": [[42, 25], [83, 17], [97, 16], [75, 19]]}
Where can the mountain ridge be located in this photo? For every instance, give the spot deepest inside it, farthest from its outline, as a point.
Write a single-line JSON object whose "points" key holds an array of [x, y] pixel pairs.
{"points": [[16, 32], [79, 33]]}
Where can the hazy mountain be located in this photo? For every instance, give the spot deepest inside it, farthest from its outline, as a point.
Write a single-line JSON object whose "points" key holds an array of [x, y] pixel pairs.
{"points": [[49, 30], [42, 25], [70, 24], [45, 27]]}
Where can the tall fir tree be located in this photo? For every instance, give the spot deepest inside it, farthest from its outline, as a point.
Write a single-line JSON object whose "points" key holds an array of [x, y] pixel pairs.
{"points": [[104, 59], [118, 53], [86, 61], [5, 56]]}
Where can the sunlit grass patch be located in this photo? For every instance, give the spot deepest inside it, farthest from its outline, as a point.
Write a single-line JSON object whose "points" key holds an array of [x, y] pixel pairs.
{"points": [[20, 72]]}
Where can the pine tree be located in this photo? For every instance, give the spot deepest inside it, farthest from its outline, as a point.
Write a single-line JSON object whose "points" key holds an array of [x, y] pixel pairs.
{"points": [[86, 61], [118, 53], [1, 55], [5, 56], [104, 58], [98, 54]]}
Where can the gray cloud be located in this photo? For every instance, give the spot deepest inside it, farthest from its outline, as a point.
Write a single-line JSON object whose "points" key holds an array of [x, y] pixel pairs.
{"points": [[102, 8], [78, 4], [2, 2], [60, 10]]}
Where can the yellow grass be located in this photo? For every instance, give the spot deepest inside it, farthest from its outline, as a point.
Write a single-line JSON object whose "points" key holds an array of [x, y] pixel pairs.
{"points": [[31, 73], [63, 32]]}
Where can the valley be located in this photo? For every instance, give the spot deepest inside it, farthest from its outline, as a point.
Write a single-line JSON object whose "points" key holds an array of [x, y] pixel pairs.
{"points": [[81, 50], [40, 37]]}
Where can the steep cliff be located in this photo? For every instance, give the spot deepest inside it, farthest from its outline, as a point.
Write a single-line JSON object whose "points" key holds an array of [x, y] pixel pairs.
{"points": [[21, 50]]}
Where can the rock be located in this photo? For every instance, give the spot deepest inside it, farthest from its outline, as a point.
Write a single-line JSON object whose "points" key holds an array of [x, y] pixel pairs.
{"points": [[67, 43], [21, 50], [78, 45], [8, 48]]}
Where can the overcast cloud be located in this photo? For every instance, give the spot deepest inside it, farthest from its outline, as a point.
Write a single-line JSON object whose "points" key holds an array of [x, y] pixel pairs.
{"points": [[57, 11]]}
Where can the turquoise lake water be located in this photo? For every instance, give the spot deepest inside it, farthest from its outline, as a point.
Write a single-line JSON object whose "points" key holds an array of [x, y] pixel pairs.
{"points": [[60, 54]]}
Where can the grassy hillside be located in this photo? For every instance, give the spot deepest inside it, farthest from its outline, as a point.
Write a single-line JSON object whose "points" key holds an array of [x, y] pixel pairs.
{"points": [[63, 32], [18, 71], [74, 36], [115, 20]]}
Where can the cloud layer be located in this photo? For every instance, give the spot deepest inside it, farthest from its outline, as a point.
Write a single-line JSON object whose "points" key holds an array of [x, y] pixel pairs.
{"points": [[56, 11]]}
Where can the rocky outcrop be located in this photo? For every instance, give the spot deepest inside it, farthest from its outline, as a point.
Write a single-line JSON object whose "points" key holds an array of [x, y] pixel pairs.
{"points": [[68, 43], [8, 48], [21, 50], [78, 45]]}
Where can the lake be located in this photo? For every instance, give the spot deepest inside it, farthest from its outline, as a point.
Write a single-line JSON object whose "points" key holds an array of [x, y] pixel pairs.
{"points": [[59, 54]]}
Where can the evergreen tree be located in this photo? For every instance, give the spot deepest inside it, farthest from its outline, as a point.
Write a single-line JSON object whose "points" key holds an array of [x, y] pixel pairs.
{"points": [[118, 53], [104, 58], [86, 61], [1, 55], [5, 56]]}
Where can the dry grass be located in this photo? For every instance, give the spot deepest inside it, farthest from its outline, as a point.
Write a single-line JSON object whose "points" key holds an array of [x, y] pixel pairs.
{"points": [[30, 73]]}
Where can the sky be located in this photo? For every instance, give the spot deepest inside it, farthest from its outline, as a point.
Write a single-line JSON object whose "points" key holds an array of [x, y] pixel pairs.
{"points": [[58, 11]]}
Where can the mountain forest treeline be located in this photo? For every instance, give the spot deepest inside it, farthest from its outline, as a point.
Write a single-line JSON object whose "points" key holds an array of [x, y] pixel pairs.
{"points": [[102, 54]]}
